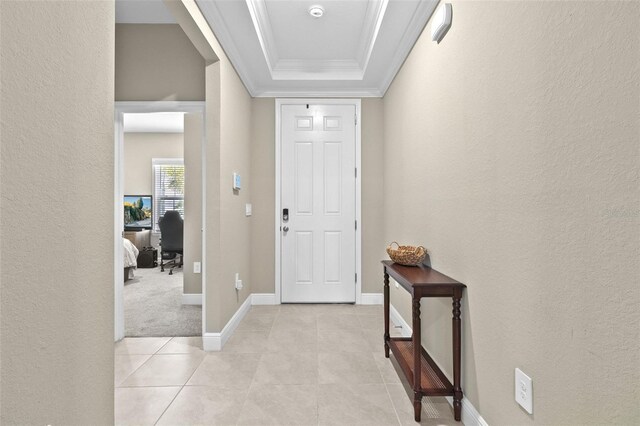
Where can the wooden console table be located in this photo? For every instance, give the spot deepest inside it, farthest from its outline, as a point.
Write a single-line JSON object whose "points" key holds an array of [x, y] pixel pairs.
{"points": [[425, 377]]}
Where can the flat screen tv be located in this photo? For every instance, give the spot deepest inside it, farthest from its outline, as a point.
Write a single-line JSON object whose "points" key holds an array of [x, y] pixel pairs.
{"points": [[138, 212]]}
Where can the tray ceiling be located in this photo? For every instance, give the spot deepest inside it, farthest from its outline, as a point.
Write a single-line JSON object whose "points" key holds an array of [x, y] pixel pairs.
{"points": [[279, 49]]}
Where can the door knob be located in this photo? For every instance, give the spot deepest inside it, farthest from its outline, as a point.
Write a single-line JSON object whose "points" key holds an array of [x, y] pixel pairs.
{"points": [[285, 229]]}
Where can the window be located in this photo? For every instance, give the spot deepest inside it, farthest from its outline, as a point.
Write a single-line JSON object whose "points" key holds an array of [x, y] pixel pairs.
{"points": [[168, 187]]}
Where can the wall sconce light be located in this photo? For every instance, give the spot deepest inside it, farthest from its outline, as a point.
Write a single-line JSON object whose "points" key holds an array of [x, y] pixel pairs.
{"points": [[441, 22]]}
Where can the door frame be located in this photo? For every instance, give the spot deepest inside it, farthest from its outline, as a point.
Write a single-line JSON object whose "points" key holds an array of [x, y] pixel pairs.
{"points": [[122, 108], [278, 160]]}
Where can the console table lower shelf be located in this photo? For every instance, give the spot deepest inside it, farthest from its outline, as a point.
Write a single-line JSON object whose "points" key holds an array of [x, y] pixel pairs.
{"points": [[432, 381]]}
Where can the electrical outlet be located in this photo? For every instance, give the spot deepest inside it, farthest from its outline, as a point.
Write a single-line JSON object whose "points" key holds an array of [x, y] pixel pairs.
{"points": [[196, 267], [524, 391], [238, 283]]}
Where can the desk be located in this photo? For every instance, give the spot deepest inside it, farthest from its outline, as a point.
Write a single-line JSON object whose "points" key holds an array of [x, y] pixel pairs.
{"points": [[140, 239], [425, 377]]}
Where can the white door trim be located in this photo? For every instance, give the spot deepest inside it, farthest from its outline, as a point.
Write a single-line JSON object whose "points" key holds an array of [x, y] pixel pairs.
{"points": [[122, 108], [302, 101]]}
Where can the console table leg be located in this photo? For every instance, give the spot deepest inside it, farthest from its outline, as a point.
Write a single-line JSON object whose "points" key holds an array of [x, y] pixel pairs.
{"points": [[417, 405], [457, 405], [386, 314], [457, 349], [417, 358]]}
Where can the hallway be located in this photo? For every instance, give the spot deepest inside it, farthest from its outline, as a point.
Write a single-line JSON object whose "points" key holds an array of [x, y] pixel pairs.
{"points": [[286, 364]]}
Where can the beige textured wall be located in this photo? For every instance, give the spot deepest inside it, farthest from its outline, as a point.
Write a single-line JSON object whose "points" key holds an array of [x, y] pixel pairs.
{"points": [[228, 124], [235, 156], [512, 154], [192, 202], [228, 230], [56, 324], [263, 172], [212, 302], [139, 150], [373, 243], [157, 62]]}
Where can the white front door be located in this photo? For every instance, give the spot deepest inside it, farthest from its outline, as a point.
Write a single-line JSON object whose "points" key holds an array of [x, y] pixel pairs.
{"points": [[318, 203]]}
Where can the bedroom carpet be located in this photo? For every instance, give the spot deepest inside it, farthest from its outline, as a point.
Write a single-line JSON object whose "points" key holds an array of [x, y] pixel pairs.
{"points": [[153, 306]]}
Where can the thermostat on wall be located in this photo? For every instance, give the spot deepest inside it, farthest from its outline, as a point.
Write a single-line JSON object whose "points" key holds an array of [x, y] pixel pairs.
{"points": [[236, 181]]}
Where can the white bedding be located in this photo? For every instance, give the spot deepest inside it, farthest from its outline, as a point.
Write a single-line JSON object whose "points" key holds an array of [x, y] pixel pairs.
{"points": [[130, 254]]}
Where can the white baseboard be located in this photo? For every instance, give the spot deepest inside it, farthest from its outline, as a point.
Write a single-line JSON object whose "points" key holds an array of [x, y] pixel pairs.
{"points": [[264, 299], [192, 298], [399, 322], [372, 299], [212, 342], [469, 415], [215, 341]]}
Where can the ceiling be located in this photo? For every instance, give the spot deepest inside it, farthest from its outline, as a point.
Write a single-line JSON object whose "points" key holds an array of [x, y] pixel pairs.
{"points": [[143, 12], [155, 122], [279, 49]]}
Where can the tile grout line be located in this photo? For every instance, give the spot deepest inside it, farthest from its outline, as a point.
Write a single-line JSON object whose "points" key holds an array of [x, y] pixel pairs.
{"points": [[386, 387], [395, 410], [272, 324], [165, 344], [129, 375], [246, 396], [168, 405], [140, 366], [181, 387]]}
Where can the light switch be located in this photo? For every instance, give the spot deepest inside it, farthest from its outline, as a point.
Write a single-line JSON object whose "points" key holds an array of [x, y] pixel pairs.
{"points": [[247, 209], [237, 181]]}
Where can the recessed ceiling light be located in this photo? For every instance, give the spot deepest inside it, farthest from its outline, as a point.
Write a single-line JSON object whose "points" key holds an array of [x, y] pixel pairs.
{"points": [[316, 11]]}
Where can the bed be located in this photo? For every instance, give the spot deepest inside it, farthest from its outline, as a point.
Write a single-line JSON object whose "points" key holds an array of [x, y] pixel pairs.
{"points": [[130, 256]]}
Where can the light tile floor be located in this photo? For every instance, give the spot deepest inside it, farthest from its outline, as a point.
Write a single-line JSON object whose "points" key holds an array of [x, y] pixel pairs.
{"points": [[284, 365]]}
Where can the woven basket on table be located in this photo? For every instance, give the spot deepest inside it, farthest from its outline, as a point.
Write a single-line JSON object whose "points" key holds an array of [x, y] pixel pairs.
{"points": [[406, 255]]}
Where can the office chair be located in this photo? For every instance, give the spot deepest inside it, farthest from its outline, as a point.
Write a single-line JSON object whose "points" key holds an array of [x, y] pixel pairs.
{"points": [[171, 239]]}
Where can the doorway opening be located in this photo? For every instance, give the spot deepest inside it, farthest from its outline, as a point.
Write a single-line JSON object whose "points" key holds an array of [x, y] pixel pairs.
{"points": [[158, 210]]}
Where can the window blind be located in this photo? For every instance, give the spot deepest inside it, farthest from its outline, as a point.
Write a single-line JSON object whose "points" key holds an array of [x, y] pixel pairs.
{"points": [[168, 186]]}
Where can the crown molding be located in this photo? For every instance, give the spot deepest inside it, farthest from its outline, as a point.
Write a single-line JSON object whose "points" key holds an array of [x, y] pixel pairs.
{"points": [[262, 25], [329, 93], [218, 25], [370, 31], [419, 20], [294, 69]]}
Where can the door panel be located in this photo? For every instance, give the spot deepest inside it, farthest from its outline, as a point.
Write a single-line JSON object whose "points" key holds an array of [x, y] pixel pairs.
{"points": [[303, 179], [318, 186]]}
